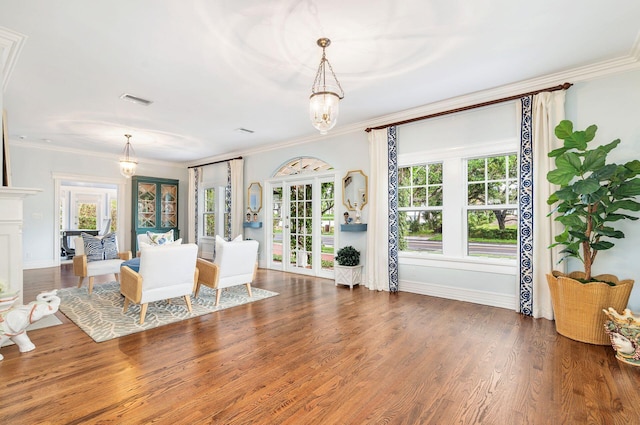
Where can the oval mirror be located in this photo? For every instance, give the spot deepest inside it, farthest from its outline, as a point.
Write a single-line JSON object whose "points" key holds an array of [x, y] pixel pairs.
{"points": [[354, 190], [254, 195]]}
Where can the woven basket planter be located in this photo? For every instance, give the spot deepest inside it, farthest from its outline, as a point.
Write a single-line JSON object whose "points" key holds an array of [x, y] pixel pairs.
{"points": [[578, 306]]}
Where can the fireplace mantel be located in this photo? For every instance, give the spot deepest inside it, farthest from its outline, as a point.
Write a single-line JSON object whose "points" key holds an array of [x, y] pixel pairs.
{"points": [[11, 219]]}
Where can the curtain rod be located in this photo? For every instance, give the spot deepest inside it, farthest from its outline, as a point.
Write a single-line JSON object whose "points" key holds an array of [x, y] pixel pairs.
{"points": [[564, 86], [214, 162]]}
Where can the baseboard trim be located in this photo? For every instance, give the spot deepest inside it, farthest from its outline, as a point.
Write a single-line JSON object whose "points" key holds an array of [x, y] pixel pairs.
{"points": [[39, 264], [493, 299]]}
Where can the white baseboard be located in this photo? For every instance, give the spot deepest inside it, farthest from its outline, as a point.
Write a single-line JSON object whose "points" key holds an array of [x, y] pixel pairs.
{"points": [[41, 264], [460, 294]]}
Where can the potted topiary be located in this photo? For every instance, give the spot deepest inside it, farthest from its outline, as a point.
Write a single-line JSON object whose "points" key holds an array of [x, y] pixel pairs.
{"points": [[591, 199], [348, 268]]}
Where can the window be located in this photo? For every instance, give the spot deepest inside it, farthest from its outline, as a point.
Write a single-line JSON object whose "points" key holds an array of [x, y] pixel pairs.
{"points": [[492, 198], [420, 190], [460, 207], [209, 212]]}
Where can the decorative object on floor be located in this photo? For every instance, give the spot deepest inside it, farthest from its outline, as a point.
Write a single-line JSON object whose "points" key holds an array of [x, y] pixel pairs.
{"points": [[100, 315], [128, 162], [83, 267], [235, 264], [15, 320], [165, 273], [592, 196], [348, 270], [624, 331], [324, 102]]}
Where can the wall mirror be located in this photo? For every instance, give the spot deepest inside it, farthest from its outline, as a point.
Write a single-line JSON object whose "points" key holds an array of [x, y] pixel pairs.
{"points": [[254, 195], [354, 190]]}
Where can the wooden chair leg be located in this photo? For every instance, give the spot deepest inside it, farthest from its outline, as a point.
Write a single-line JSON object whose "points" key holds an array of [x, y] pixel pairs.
{"points": [[117, 275], [90, 284], [248, 289], [80, 279], [187, 299], [218, 292], [143, 313], [197, 291], [126, 305]]}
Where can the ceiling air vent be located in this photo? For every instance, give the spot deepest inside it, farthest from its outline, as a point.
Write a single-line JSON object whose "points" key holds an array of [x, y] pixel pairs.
{"points": [[244, 130], [135, 99]]}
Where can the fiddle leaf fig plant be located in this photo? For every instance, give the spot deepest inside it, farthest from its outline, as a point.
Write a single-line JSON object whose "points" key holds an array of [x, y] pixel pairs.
{"points": [[593, 194]]}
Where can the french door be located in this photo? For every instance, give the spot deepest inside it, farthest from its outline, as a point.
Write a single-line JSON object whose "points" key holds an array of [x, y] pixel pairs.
{"points": [[301, 234]]}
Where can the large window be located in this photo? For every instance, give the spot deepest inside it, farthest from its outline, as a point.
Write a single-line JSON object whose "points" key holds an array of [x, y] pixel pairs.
{"points": [[209, 212], [460, 206], [420, 189], [492, 198]]}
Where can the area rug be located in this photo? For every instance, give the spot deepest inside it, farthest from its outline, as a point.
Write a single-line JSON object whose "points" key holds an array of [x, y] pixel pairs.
{"points": [[100, 314]]}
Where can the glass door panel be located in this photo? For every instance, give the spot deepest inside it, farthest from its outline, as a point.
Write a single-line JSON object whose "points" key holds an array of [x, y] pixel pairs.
{"points": [[300, 227], [147, 205], [327, 212], [276, 227], [169, 207]]}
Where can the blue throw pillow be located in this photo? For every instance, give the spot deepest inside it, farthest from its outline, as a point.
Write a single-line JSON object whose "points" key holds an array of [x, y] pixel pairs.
{"points": [[98, 249], [92, 247]]}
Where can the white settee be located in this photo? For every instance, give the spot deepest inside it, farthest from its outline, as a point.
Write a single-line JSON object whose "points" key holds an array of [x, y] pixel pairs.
{"points": [[235, 264], [166, 272], [82, 267]]}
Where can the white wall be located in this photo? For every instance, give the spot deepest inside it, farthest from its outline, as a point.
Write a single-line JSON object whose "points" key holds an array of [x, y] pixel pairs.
{"points": [[613, 104], [484, 281], [34, 167]]}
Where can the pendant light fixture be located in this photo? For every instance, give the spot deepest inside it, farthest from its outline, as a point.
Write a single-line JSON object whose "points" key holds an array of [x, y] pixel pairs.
{"points": [[128, 161], [325, 96]]}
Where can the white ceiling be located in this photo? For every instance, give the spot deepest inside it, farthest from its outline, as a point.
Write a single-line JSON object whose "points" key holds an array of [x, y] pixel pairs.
{"points": [[211, 67]]}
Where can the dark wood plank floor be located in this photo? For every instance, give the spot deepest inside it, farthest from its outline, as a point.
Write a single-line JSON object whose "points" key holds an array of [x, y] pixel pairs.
{"points": [[318, 354]]}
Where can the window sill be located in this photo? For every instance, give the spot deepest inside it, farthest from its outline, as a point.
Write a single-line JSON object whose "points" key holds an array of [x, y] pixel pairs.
{"points": [[486, 265]]}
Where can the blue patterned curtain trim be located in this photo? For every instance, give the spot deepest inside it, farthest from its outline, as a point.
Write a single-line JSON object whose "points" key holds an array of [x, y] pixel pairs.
{"points": [[525, 209], [196, 176], [227, 204], [393, 208]]}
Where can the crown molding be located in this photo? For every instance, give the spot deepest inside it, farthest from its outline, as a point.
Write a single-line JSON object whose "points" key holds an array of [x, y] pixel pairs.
{"points": [[11, 43], [41, 146], [584, 73]]}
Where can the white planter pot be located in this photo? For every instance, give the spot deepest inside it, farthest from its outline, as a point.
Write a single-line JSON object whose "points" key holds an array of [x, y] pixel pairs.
{"points": [[348, 275]]}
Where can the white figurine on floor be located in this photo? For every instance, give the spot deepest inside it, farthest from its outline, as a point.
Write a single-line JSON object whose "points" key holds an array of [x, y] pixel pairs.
{"points": [[14, 321]]}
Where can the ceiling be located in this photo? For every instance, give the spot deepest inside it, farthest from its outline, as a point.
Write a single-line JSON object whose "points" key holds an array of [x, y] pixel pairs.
{"points": [[212, 67]]}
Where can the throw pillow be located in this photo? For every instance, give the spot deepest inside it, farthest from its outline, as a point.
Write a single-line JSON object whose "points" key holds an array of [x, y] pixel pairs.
{"points": [[98, 249], [176, 242], [110, 246], [92, 247], [160, 238]]}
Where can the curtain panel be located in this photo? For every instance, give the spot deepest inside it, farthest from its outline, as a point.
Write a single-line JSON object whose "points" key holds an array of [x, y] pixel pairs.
{"points": [[192, 206], [382, 244], [236, 167], [539, 116]]}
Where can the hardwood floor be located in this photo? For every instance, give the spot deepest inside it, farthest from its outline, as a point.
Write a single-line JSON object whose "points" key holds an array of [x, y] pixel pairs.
{"points": [[318, 354]]}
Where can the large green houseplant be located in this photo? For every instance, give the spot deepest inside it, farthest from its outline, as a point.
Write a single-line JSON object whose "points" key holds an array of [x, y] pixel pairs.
{"points": [[593, 197]]}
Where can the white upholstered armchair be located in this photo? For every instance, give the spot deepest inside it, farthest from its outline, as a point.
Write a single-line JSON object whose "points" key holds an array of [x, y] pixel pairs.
{"points": [[87, 265], [166, 272], [235, 264]]}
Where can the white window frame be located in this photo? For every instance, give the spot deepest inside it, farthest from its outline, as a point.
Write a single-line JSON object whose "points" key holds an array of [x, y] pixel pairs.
{"points": [[218, 208], [454, 228]]}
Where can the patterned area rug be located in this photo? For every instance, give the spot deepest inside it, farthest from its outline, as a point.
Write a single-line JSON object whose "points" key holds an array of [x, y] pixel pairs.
{"points": [[100, 314]]}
